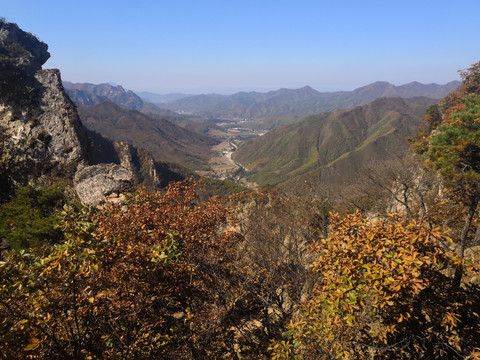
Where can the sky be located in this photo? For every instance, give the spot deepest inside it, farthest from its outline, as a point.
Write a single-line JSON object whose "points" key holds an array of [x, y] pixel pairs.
{"points": [[207, 46]]}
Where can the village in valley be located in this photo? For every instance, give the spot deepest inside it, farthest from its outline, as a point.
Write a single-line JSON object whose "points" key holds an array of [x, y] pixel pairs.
{"points": [[231, 134]]}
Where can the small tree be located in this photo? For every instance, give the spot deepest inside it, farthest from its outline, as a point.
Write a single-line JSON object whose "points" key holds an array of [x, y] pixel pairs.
{"points": [[30, 218], [452, 147], [381, 295], [382, 187]]}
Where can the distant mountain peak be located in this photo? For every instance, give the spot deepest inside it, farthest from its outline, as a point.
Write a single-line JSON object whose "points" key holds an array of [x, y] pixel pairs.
{"points": [[308, 88], [85, 94], [297, 94]]}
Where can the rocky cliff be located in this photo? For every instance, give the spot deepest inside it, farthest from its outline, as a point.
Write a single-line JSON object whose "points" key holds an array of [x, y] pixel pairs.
{"points": [[41, 137]]}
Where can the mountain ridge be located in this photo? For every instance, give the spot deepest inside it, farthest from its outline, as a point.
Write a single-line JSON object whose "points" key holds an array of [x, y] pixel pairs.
{"points": [[332, 145], [166, 141], [87, 94], [300, 102]]}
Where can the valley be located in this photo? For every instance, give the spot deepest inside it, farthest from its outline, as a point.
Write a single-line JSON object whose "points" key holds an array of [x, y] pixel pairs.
{"points": [[203, 132], [230, 135]]}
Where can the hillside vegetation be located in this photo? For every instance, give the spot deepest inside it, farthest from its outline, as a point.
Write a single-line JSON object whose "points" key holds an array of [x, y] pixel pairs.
{"points": [[331, 147], [163, 139]]}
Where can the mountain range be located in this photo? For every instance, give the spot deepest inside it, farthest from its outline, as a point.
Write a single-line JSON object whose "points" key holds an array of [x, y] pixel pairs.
{"points": [[163, 139], [330, 147], [334, 143], [85, 94], [299, 102], [121, 115]]}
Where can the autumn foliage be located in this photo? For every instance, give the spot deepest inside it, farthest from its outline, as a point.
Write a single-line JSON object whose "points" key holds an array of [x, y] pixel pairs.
{"points": [[138, 282], [449, 142], [166, 275], [383, 294]]}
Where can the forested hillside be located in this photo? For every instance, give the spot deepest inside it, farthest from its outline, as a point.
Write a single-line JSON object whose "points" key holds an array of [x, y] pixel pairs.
{"points": [[332, 147], [163, 139]]}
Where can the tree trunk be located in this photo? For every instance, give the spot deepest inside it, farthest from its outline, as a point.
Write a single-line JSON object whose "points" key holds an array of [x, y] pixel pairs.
{"points": [[457, 279], [476, 239]]}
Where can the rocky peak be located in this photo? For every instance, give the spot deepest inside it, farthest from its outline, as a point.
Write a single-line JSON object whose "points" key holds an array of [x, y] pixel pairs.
{"points": [[90, 94], [21, 49], [42, 139], [43, 134]]}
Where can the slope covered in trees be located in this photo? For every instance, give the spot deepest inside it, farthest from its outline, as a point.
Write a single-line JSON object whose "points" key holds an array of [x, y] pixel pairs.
{"points": [[163, 139], [332, 147], [168, 276], [384, 282], [382, 293], [450, 143]]}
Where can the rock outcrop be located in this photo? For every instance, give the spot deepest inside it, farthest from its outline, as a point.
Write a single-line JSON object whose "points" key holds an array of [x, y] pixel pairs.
{"points": [[41, 137], [20, 51], [145, 169], [95, 183]]}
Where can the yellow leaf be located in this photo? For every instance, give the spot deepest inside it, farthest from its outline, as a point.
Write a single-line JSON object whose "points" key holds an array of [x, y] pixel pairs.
{"points": [[34, 343]]}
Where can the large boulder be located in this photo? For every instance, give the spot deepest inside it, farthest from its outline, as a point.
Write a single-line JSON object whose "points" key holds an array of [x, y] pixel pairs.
{"points": [[94, 184]]}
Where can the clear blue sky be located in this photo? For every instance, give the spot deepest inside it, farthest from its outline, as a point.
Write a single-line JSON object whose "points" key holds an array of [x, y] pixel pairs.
{"points": [[228, 45]]}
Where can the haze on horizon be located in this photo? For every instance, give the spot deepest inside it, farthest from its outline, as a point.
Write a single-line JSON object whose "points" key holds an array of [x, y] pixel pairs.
{"points": [[230, 46]]}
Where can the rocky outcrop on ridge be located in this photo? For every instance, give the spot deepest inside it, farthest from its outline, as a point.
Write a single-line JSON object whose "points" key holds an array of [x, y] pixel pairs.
{"points": [[41, 137], [43, 134], [20, 52], [145, 169], [95, 183]]}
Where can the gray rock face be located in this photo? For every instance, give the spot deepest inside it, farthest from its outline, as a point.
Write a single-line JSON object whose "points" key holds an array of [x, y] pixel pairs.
{"points": [[95, 183], [41, 137], [44, 137], [146, 171], [20, 49], [135, 160]]}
